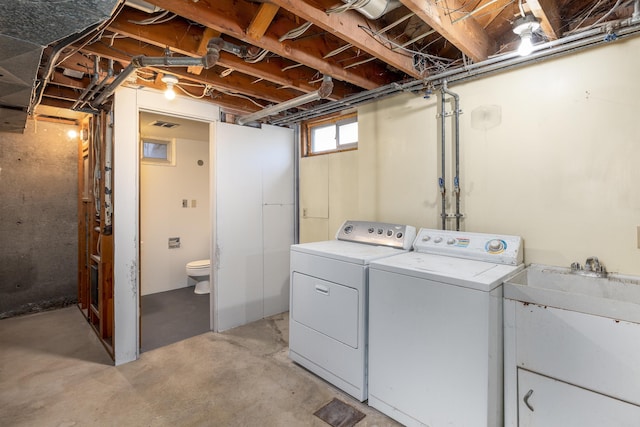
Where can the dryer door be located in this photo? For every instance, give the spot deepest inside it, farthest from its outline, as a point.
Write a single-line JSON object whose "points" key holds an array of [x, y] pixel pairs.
{"points": [[326, 307]]}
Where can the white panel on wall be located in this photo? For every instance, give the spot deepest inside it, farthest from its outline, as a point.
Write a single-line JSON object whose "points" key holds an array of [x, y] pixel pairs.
{"points": [[277, 165], [254, 185], [343, 190], [239, 225], [278, 237], [314, 187], [314, 230]]}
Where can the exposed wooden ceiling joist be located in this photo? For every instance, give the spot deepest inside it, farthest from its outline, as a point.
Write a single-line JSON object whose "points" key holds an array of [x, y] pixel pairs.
{"points": [[262, 20], [280, 57], [223, 15], [233, 83], [547, 12], [349, 27], [190, 39], [467, 35]]}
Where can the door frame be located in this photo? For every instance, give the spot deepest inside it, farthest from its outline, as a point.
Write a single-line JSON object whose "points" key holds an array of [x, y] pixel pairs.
{"points": [[126, 219]]}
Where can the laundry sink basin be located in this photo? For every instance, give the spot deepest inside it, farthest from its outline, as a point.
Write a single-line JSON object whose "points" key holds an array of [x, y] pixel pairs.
{"points": [[615, 296]]}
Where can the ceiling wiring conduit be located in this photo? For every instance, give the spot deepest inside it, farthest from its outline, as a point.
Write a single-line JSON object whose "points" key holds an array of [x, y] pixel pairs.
{"points": [[324, 91], [553, 49], [92, 84]]}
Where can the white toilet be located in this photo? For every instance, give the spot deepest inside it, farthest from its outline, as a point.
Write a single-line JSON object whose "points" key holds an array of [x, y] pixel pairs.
{"points": [[199, 271]]}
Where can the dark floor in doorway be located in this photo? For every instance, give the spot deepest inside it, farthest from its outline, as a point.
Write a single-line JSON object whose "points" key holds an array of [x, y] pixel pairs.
{"points": [[173, 316], [338, 414]]}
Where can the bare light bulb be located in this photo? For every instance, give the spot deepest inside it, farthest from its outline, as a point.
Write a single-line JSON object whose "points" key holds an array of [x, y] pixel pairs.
{"points": [[169, 93], [526, 45], [170, 80], [72, 134]]}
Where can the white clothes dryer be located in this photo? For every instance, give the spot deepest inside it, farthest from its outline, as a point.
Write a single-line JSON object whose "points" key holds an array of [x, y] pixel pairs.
{"points": [[329, 295], [435, 329]]}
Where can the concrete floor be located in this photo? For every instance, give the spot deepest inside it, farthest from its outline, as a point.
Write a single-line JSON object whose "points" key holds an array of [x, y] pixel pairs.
{"points": [[54, 372]]}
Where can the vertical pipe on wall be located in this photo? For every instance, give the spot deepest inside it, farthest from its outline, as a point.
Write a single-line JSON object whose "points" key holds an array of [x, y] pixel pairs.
{"points": [[443, 190], [456, 178], [296, 182]]}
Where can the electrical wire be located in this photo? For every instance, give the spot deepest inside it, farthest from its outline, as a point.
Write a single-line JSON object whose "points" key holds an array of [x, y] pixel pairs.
{"points": [[158, 19], [599, 21], [296, 32], [241, 96], [206, 90], [351, 4], [290, 67], [258, 57]]}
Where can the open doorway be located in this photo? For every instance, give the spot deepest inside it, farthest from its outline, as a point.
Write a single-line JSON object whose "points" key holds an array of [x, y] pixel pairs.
{"points": [[175, 228]]}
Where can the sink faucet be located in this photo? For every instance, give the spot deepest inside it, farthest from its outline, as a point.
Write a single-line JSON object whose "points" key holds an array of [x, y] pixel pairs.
{"points": [[592, 267]]}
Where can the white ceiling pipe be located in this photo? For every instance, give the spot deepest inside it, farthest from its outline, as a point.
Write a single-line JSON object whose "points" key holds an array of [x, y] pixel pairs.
{"points": [[324, 91]]}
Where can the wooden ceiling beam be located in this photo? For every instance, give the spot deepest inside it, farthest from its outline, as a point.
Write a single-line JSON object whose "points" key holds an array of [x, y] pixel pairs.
{"points": [[190, 39], [467, 35], [60, 79], [262, 20], [61, 92], [57, 103], [548, 14], [348, 26], [223, 15]]}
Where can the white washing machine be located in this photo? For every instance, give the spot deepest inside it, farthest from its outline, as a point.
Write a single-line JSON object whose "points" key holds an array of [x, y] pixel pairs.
{"points": [[435, 329], [328, 309]]}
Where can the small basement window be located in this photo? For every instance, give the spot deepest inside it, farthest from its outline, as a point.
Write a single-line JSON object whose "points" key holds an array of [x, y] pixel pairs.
{"points": [[331, 135], [158, 151]]}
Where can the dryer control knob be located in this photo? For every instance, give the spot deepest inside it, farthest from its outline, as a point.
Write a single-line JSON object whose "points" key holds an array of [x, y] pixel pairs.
{"points": [[451, 241], [426, 238], [437, 239], [495, 245]]}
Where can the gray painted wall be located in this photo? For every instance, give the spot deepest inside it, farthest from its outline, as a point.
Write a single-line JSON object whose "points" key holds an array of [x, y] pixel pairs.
{"points": [[38, 218]]}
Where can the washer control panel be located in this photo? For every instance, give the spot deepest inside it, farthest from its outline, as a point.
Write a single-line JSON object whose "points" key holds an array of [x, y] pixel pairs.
{"points": [[377, 233], [500, 249]]}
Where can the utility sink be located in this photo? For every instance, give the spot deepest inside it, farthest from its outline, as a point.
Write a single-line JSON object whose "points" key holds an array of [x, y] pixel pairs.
{"points": [[615, 296]]}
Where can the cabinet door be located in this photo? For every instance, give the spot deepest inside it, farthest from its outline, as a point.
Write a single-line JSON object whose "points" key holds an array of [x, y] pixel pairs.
{"points": [[545, 402]]}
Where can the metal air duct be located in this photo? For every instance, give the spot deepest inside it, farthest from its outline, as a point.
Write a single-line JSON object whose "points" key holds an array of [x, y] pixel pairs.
{"points": [[373, 9], [324, 91]]}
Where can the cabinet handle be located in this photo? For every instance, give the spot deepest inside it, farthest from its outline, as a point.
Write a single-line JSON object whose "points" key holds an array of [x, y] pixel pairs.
{"points": [[526, 399], [324, 290]]}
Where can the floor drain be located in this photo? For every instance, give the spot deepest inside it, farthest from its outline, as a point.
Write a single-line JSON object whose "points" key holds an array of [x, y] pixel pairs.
{"points": [[338, 414]]}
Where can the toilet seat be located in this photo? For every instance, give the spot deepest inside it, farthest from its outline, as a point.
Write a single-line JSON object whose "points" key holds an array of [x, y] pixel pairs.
{"points": [[198, 268]]}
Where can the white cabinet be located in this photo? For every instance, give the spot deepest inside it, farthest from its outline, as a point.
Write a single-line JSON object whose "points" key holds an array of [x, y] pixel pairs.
{"points": [[565, 368], [546, 402]]}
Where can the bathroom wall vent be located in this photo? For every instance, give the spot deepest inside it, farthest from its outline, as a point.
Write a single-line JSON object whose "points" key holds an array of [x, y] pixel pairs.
{"points": [[163, 124]]}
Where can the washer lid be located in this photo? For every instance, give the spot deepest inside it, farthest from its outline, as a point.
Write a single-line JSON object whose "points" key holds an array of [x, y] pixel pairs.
{"points": [[357, 253], [479, 275]]}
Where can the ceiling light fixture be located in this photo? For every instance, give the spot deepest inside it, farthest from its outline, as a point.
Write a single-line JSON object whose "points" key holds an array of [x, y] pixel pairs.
{"points": [[170, 80], [525, 27]]}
